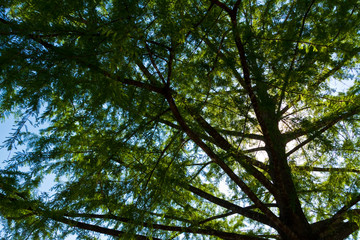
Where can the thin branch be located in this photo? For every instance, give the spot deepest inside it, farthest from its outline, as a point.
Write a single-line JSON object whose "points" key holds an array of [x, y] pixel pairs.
{"points": [[154, 64], [292, 40], [193, 229], [240, 134], [217, 217], [173, 125], [163, 152], [125, 81], [286, 81], [241, 158], [328, 125], [259, 217], [267, 204], [255, 149], [138, 84], [328, 74], [158, 44], [319, 169], [39, 212], [347, 206], [222, 6], [170, 66], [200, 21], [226, 59], [103, 230]]}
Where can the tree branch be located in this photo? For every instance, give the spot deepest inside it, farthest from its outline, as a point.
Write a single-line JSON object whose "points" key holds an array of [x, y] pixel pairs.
{"points": [[224, 144], [232, 207], [347, 206], [283, 89], [125, 81], [239, 134], [320, 169], [222, 6], [255, 149], [193, 229], [94, 228], [328, 124], [335, 225], [154, 64], [217, 217], [173, 125]]}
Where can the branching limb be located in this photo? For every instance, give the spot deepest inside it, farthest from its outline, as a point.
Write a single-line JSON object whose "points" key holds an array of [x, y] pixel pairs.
{"points": [[225, 132], [335, 226], [154, 64], [347, 206], [320, 169], [95, 228], [286, 81], [324, 125], [223, 6], [240, 134], [232, 207], [255, 149], [242, 159], [173, 125], [125, 81], [193, 229], [217, 217]]}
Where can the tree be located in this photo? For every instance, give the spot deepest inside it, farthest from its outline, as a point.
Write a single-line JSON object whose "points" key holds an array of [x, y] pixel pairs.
{"points": [[181, 119]]}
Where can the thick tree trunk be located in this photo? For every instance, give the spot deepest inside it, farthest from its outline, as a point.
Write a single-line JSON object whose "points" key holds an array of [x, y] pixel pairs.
{"points": [[291, 213]]}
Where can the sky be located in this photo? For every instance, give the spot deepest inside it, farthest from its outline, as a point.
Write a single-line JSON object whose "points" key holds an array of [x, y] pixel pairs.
{"points": [[6, 128]]}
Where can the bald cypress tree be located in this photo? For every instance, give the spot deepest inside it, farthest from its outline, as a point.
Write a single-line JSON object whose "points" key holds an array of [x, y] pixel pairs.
{"points": [[181, 119]]}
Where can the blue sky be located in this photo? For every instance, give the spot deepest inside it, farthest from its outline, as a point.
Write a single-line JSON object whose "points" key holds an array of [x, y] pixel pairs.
{"points": [[6, 128]]}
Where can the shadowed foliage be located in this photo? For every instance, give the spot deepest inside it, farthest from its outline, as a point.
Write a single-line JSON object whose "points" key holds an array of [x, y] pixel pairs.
{"points": [[186, 119]]}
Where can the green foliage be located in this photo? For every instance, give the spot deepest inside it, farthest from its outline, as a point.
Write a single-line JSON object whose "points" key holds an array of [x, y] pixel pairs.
{"points": [[181, 119]]}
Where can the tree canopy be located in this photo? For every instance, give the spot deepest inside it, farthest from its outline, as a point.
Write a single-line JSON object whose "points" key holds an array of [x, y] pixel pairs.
{"points": [[185, 119]]}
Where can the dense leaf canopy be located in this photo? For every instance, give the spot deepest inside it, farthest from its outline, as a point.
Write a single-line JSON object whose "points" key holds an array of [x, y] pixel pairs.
{"points": [[186, 119]]}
